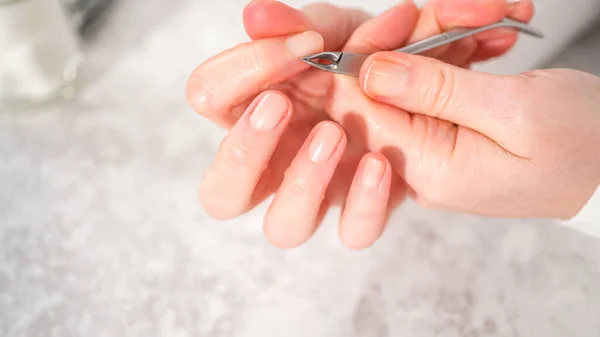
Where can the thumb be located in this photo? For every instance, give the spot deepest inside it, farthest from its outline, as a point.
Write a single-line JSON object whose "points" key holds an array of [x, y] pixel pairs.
{"points": [[421, 85]]}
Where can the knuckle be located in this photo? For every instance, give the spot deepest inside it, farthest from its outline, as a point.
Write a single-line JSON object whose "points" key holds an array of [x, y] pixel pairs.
{"points": [[235, 157], [556, 81], [254, 57], [539, 84], [543, 75], [298, 189], [374, 43], [200, 93], [438, 97], [209, 91]]}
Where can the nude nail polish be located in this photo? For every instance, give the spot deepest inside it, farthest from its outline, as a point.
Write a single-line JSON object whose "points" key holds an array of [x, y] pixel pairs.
{"points": [[268, 112], [304, 44], [324, 143], [372, 173]]}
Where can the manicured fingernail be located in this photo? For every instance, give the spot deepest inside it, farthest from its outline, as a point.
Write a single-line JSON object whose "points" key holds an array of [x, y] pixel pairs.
{"points": [[324, 143], [372, 173], [514, 3], [304, 44], [268, 112], [385, 79]]}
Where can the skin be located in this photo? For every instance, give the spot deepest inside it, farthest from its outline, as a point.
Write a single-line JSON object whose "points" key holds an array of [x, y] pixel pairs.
{"points": [[505, 146], [414, 134]]}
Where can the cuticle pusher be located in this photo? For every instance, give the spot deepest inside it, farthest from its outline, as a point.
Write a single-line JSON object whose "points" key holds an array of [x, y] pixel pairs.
{"points": [[348, 63]]}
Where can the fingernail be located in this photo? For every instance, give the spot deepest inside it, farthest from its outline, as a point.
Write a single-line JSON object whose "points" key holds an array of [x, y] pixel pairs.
{"points": [[324, 143], [514, 3], [268, 112], [385, 79], [372, 173], [304, 44]]}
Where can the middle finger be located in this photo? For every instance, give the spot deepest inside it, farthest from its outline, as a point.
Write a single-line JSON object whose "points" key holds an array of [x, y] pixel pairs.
{"points": [[441, 15], [221, 87], [294, 213]]}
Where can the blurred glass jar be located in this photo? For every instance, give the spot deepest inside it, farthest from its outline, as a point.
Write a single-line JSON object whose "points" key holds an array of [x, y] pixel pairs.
{"points": [[83, 13], [39, 54]]}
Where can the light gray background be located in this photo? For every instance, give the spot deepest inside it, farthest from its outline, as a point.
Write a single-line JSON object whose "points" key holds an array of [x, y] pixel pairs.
{"points": [[101, 233]]}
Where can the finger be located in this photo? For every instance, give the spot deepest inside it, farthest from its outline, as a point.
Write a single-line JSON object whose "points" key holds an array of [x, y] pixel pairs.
{"points": [[498, 42], [228, 188], [365, 212], [293, 216], [221, 88], [387, 31], [442, 15], [430, 87], [334, 23], [438, 16], [460, 52], [266, 19]]}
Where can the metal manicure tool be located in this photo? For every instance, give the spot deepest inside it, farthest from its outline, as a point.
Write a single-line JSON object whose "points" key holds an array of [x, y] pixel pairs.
{"points": [[350, 63]]}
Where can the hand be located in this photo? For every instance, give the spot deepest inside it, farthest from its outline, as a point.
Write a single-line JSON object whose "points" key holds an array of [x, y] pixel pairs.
{"points": [[508, 146], [313, 138]]}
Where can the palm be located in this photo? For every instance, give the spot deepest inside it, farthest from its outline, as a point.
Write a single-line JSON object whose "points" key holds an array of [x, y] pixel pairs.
{"points": [[312, 94]]}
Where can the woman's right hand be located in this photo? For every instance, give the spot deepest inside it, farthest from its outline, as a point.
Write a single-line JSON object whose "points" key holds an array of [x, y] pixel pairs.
{"points": [[526, 145]]}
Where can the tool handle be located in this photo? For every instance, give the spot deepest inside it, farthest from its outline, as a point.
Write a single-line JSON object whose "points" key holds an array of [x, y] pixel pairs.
{"points": [[461, 33]]}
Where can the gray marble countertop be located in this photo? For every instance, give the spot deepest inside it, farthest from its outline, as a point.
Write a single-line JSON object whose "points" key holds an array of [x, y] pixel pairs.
{"points": [[102, 234]]}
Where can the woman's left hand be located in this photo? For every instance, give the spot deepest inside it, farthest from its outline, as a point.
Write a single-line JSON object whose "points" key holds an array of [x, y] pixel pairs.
{"points": [[313, 138]]}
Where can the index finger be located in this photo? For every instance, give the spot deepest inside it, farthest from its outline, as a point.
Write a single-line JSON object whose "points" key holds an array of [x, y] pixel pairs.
{"points": [[222, 87]]}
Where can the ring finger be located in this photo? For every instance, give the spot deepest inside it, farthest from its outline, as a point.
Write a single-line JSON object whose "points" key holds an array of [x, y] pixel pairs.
{"points": [[366, 210]]}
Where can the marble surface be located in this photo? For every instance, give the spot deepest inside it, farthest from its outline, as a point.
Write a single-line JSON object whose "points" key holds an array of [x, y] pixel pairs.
{"points": [[101, 232]]}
